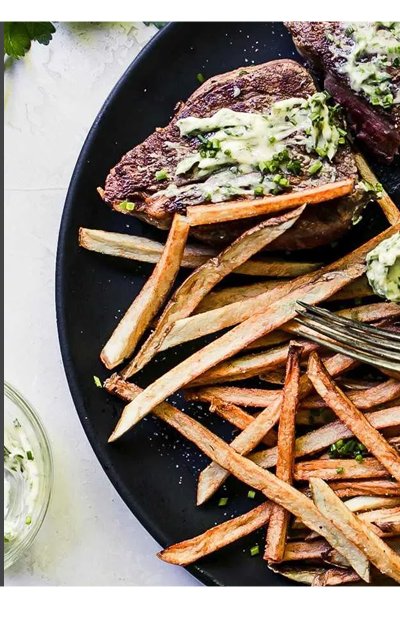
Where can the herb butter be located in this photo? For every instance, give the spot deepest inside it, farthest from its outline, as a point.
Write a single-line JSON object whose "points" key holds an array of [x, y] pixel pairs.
{"points": [[243, 153], [383, 268]]}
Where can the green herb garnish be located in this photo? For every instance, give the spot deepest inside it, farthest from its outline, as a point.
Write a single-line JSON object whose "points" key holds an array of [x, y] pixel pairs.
{"points": [[251, 494], [29, 455], [255, 550], [127, 206], [28, 520], [223, 501], [259, 190], [18, 36], [97, 381], [161, 175], [315, 167], [200, 78]]}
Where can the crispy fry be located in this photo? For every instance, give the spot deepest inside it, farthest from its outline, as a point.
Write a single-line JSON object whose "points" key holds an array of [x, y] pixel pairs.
{"points": [[376, 487], [253, 397], [279, 521], [386, 519], [139, 248], [351, 416], [364, 504], [317, 576], [212, 321], [313, 550], [216, 299], [202, 281], [150, 299], [358, 289], [334, 577], [243, 469], [385, 201], [331, 469], [242, 209], [325, 436], [239, 418], [367, 398], [212, 477], [186, 552], [247, 366], [379, 553]]}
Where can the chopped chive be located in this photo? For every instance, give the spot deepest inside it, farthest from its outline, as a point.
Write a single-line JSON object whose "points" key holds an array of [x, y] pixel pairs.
{"points": [[161, 175], [251, 494], [259, 190], [255, 550], [340, 470], [127, 206], [223, 501], [200, 78], [28, 520], [315, 168], [97, 381], [29, 455], [359, 458]]}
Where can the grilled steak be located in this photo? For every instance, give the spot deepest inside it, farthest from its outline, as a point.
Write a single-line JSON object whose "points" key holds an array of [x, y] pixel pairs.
{"points": [[251, 89], [377, 127]]}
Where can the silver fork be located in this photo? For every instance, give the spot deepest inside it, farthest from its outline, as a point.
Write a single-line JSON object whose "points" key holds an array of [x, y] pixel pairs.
{"points": [[366, 343]]}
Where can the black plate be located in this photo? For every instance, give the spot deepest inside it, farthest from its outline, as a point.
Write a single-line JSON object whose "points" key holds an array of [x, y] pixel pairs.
{"points": [[153, 469]]}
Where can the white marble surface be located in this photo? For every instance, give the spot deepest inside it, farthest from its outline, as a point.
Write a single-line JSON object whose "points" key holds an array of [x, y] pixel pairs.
{"points": [[52, 96]]}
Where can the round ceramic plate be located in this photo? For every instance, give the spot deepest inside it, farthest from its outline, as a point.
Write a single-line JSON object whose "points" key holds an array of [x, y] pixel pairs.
{"points": [[154, 469]]}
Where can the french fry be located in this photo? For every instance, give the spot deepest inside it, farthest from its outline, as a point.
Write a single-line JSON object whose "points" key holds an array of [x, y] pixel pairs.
{"points": [[247, 366], [275, 377], [233, 294], [386, 519], [351, 416], [313, 550], [365, 504], [186, 552], [279, 520], [379, 553], [331, 469], [385, 201], [139, 248], [367, 398], [212, 477], [237, 210], [335, 577], [312, 289], [246, 471], [321, 438], [212, 321], [188, 296], [358, 289], [251, 397], [376, 487], [317, 576], [239, 418], [153, 294]]}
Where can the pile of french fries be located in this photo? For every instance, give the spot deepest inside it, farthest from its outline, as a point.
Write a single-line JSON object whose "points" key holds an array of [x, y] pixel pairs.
{"points": [[329, 517]]}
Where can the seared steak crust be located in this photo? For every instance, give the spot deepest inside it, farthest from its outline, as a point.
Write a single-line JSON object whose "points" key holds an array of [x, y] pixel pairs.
{"points": [[375, 127], [133, 178]]}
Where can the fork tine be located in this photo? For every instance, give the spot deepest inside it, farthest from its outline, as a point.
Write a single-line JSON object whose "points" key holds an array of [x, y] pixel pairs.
{"points": [[351, 324], [362, 332], [362, 343], [353, 352]]}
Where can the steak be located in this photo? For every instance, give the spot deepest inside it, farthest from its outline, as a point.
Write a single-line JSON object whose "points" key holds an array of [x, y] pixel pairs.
{"points": [[376, 127], [250, 89]]}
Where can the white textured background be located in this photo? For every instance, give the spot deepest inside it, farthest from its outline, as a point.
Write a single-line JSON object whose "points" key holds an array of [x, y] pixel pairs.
{"points": [[51, 98]]}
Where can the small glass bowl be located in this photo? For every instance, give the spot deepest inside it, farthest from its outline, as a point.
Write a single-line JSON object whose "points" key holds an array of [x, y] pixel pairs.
{"points": [[16, 407]]}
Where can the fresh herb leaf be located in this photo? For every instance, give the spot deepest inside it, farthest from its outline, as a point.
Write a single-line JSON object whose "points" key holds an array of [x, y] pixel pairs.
{"points": [[29, 455], [255, 550], [18, 36], [251, 494], [97, 381], [200, 78], [223, 501]]}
